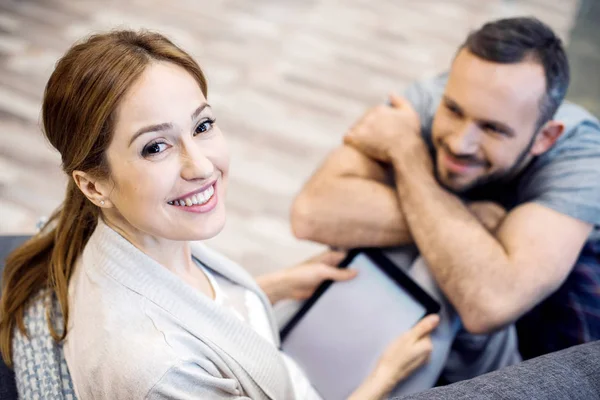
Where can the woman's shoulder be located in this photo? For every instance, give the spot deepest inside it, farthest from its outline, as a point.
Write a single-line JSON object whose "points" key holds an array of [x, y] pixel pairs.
{"points": [[141, 355], [124, 347]]}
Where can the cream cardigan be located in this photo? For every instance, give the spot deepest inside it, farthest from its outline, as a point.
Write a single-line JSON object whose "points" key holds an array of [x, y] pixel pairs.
{"points": [[137, 331]]}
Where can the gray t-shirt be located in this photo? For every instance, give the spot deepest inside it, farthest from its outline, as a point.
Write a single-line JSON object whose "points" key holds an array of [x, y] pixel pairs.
{"points": [[566, 178]]}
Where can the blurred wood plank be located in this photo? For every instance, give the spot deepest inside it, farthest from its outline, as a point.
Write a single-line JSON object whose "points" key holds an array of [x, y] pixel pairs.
{"points": [[287, 78]]}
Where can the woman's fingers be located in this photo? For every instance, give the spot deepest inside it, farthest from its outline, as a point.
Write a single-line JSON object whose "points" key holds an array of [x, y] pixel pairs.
{"points": [[415, 363], [411, 350], [329, 272], [425, 326], [424, 347], [330, 257]]}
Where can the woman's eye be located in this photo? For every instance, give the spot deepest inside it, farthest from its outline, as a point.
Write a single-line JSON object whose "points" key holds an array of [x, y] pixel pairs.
{"points": [[154, 148], [204, 126]]}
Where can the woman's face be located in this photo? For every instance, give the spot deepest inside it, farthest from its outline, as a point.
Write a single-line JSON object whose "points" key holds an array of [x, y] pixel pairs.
{"points": [[168, 159]]}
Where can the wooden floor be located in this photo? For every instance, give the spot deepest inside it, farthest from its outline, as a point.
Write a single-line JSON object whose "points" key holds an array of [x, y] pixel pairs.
{"points": [[286, 79]]}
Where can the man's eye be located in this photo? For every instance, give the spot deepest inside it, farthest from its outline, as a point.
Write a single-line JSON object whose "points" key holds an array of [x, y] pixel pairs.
{"points": [[453, 110], [154, 148], [493, 128], [204, 126]]}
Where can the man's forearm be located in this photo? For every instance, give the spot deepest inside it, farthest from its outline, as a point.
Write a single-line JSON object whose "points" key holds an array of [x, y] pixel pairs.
{"points": [[349, 212], [469, 264]]}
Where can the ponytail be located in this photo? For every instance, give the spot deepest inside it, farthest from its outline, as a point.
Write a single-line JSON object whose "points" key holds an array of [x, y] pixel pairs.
{"points": [[46, 261]]}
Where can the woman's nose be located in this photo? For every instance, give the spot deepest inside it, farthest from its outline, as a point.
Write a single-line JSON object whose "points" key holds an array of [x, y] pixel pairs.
{"points": [[195, 164]]}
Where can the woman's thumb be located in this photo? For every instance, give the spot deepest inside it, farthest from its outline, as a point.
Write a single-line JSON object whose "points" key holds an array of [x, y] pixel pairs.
{"points": [[343, 274], [426, 325]]}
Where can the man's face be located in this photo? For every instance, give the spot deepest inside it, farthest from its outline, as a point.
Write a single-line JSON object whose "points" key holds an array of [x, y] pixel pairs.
{"points": [[484, 127]]}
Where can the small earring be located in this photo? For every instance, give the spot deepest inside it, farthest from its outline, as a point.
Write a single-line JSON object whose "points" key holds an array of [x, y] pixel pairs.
{"points": [[101, 202]]}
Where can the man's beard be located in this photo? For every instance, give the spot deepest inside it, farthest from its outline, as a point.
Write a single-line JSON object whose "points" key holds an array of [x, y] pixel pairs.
{"points": [[493, 179]]}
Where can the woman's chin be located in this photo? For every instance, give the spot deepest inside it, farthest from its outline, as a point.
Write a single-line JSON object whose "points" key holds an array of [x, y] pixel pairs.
{"points": [[194, 229], [208, 234], [208, 230]]}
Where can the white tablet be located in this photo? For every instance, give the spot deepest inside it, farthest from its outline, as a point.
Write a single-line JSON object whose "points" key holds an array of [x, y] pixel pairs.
{"points": [[339, 334]]}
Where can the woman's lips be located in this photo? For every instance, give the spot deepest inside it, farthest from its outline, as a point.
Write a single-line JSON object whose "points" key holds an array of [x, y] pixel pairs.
{"points": [[205, 206]]}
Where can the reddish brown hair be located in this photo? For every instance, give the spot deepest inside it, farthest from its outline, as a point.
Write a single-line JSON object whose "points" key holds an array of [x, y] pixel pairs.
{"points": [[79, 111]]}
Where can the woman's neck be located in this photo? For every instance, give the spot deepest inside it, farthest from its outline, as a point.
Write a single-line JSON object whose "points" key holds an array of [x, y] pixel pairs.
{"points": [[175, 255]]}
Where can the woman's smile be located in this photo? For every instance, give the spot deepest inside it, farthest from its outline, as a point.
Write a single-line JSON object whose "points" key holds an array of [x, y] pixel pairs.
{"points": [[201, 201]]}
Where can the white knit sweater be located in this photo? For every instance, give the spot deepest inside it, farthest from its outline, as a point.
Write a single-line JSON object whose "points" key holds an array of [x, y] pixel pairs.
{"points": [[137, 331]]}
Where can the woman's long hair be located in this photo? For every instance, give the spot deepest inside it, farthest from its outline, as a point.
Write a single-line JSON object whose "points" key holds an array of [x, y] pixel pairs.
{"points": [[78, 114]]}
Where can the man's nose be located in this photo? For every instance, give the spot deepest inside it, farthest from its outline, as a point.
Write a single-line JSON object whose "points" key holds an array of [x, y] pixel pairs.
{"points": [[465, 141]]}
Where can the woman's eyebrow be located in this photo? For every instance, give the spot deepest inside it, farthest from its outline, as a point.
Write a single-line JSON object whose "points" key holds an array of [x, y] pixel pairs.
{"points": [[165, 126], [151, 128], [199, 110]]}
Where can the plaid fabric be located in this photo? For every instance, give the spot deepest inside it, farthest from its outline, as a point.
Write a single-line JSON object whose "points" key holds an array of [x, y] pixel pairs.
{"points": [[40, 366], [571, 315]]}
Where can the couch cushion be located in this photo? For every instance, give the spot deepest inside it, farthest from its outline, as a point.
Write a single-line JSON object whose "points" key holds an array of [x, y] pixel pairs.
{"points": [[8, 387]]}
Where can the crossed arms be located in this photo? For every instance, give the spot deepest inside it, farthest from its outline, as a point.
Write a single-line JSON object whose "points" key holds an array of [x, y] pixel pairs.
{"points": [[493, 266]]}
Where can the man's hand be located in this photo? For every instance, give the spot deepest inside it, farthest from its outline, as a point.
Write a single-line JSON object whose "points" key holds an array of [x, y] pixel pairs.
{"points": [[383, 127], [490, 214]]}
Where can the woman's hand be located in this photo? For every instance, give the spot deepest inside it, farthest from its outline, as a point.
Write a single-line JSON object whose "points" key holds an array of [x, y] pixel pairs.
{"points": [[404, 355], [301, 281]]}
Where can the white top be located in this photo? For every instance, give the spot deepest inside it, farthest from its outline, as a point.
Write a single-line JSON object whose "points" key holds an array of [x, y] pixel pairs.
{"points": [[247, 307]]}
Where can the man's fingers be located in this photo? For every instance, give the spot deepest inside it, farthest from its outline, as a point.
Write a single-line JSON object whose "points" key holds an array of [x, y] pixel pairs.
{"points": [[351, 141], [398, 101]]}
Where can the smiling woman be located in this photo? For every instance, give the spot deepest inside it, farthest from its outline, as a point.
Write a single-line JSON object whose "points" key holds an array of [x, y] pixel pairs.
{"points": [[167, 150], [147, 310]]}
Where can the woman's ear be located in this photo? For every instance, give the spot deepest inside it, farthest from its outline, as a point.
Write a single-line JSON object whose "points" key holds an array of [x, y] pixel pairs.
{"points": [[95, 190], [547, 137]]}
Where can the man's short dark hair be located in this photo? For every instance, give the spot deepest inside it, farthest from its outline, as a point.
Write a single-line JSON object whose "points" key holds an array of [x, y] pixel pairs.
{"points": [[513, 40]]}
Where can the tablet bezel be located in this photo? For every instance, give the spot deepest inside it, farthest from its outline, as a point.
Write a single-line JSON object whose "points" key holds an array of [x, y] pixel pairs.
{"points": [[383, 263]]}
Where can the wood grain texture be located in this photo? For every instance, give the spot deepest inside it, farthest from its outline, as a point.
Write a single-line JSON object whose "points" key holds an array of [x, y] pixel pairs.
{"points": [[286, 79]]}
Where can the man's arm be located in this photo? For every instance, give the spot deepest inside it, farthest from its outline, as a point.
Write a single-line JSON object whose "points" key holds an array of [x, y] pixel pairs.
{"points": [[491, 277], [490, 280], [349, 203]]}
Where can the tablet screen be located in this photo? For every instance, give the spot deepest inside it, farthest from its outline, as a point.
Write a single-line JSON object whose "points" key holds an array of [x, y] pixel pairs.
{"points": [[339, 339]]}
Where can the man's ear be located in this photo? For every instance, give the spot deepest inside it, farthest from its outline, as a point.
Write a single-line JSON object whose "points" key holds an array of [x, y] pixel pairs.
{"points": [[95, 190], [547, 137]]}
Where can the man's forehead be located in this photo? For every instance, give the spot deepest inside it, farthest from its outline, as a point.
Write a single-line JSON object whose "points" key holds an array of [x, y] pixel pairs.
{"points": [[488, 89]]}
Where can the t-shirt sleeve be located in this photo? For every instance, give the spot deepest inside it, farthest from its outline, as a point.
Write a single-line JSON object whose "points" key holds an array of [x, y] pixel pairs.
{"points": [[425, 97], [188, 380], [567, 179]]}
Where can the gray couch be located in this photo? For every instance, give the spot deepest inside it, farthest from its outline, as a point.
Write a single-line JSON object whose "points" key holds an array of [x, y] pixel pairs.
{"points": [[573, 373], [8, 388]]}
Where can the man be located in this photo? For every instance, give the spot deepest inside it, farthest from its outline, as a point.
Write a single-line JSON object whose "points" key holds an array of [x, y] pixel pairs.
{"points": [[495, 181]]}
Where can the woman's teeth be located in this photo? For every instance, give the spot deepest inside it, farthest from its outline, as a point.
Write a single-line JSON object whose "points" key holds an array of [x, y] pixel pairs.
{"points": [[197, 199]]}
